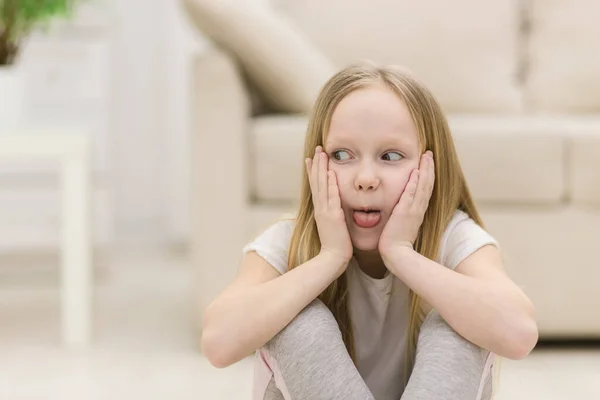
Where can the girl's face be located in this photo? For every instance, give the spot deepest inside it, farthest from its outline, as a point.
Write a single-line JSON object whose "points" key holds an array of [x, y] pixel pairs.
{"points": [[372, 146]]}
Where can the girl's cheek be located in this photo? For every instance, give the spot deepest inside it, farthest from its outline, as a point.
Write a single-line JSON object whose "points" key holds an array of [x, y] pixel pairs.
{"points": [[343, 183], [339, 175], [398, 185], [342, 189]]}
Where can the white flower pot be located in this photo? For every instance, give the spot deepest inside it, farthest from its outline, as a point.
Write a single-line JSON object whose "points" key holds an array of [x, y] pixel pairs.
{"points": [[11, 97]]}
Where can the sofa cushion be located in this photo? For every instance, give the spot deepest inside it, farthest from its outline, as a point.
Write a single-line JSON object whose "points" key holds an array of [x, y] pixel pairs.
{"points": [[512, 160], [564, 67], [506, 160], [551, 254], [584, 161], [283, 64], [276, 162], [467, 51]]}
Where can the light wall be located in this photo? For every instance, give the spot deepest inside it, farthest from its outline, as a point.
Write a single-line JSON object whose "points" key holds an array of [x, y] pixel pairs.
{"points": [[141, 188]]}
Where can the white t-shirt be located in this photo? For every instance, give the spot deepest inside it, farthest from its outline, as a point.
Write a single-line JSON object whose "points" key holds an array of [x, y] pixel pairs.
{"points": [[380, 320]]}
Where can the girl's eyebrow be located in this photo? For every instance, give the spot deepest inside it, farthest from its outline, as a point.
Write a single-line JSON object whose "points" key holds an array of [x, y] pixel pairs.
{"points": [[331, 142], [335, 144], [390, 140]]}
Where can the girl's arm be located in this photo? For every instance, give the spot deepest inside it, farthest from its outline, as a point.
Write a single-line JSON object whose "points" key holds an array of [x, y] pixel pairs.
{"points": [[260, 303], [477, 299]]}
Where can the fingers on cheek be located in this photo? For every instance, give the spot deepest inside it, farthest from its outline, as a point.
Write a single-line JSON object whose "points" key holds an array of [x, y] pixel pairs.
{"points": [[432, 173]]}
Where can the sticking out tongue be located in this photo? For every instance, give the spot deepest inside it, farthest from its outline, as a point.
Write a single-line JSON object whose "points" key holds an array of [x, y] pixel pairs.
{"points": [[366, 219]]}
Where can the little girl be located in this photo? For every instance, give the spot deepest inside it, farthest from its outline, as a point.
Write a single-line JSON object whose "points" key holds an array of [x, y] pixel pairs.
{"points": [[385, 285]]}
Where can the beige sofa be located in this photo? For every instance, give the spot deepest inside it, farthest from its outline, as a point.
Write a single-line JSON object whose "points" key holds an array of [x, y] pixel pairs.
{"points": [[520, 81]]}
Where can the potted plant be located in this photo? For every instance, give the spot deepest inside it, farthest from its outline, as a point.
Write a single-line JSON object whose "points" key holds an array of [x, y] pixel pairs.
{"points": [[18, 19]]}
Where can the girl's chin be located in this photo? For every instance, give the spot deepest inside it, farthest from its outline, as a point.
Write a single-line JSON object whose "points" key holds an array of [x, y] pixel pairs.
{"points": [[365, 244]]}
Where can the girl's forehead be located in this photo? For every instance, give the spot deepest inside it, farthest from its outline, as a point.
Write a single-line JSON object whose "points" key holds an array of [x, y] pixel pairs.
{"points": [[405, 139], [374, 113]]}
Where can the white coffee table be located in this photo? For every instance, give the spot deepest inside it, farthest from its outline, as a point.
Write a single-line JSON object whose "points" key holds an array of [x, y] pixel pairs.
{"points": [[73, 151]]}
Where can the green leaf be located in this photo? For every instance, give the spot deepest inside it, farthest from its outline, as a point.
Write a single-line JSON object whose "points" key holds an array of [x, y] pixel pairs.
{"points": [[19, 17]]}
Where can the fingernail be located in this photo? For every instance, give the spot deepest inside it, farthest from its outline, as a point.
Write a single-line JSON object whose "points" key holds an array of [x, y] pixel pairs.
{"points": [[430, 153]]}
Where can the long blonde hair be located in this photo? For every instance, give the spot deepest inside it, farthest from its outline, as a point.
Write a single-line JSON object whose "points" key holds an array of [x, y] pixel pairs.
{"points": [[449, 194]]}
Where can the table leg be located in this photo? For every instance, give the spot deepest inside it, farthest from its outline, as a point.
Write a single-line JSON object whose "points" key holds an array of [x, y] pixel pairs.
{"points": [[76, 290]]}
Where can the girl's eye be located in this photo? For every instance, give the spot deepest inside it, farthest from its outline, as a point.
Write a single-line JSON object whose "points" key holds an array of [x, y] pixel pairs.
{"points": [[392, 156], [341, 155]]}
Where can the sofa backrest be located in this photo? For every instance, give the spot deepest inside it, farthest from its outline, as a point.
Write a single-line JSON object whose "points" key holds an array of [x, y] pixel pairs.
{"points": [[506, 56], [466, 51], [563, 57]]}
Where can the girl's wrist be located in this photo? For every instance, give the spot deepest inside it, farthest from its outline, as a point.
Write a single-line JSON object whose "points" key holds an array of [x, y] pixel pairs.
{"points": [[400, 247], [335, 260], [397, 255]]}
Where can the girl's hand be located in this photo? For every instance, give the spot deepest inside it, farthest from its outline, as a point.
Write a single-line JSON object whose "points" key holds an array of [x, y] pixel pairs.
{"points": [[403, 225], [331, 224]]}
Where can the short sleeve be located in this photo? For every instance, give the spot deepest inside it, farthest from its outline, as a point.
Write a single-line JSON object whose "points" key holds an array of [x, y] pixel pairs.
{"points": [[461, 238], [273, 244]]}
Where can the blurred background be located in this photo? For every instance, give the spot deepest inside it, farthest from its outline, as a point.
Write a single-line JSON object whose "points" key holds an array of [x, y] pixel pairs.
{"points": [[142, 143]]}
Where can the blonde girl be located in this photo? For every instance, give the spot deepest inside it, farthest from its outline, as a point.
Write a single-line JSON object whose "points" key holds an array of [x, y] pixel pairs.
{"points": [[385, 285]]}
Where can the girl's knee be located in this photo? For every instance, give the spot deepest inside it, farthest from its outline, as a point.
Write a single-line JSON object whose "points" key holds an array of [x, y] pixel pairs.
{"points": [[435, 328], [313, 326], [447, 365], [437, 335]]}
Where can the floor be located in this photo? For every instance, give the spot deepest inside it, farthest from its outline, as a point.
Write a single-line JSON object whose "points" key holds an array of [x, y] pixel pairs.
{"points": [[145, 348]]}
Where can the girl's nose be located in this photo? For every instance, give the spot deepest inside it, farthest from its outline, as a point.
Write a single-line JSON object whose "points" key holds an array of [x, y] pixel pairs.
{"points": [[366, 180]]}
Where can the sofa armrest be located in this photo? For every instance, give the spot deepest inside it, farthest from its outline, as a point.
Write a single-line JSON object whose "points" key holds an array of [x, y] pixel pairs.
{"points": [[221, 109]]}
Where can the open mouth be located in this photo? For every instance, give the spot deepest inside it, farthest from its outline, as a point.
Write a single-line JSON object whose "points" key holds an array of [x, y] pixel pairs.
{"points": [[366, 217]]}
